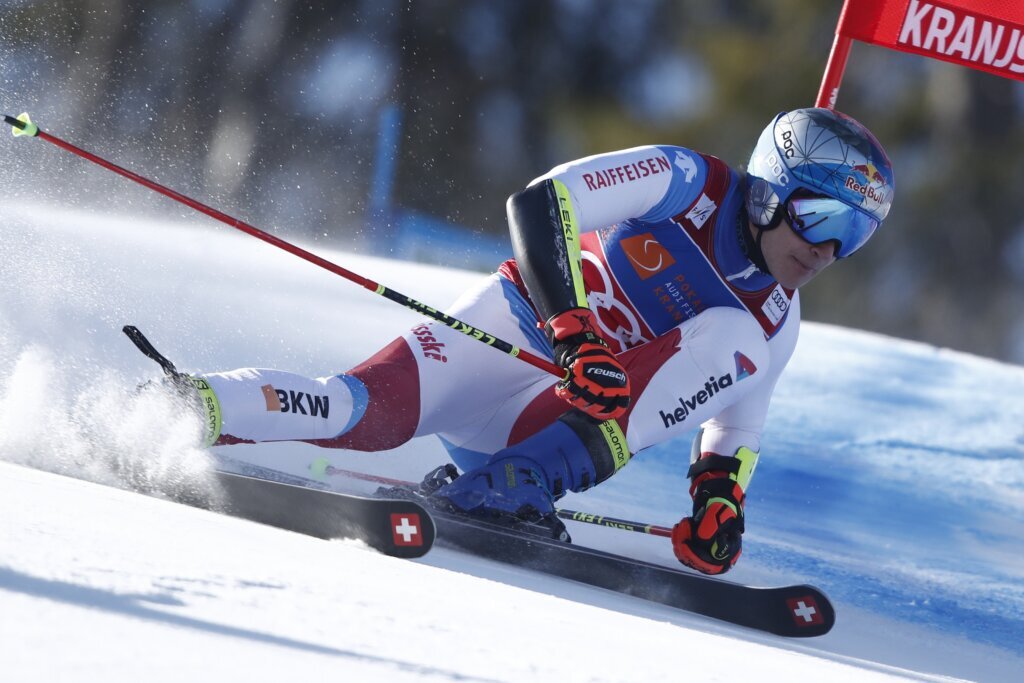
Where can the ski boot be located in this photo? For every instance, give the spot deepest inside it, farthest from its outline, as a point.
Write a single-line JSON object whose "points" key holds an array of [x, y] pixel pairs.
{"points": [[527, 518], [193, 393], [520, 484]]}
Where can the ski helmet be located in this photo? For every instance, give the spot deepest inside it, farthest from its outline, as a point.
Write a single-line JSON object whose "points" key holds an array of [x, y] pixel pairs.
{"points": [[825, 172]]}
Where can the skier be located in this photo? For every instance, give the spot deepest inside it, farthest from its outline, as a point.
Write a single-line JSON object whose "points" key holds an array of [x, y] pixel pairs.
{"points": [[662, 280]]}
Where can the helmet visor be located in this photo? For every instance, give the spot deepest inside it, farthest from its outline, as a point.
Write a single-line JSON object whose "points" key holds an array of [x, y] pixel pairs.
{"points": [[819, 220]]}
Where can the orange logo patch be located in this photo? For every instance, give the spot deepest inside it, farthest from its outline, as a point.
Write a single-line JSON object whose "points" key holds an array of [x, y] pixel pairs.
{"points": [[646, 255], [271, 397]]}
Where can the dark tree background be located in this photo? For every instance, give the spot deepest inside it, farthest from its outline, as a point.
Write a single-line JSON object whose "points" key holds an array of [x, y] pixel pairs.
{"points": [[271, 111]]}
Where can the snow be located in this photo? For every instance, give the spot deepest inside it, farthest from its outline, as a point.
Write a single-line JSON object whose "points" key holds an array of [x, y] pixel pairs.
{"points": [[141, 589], [892, 478]]}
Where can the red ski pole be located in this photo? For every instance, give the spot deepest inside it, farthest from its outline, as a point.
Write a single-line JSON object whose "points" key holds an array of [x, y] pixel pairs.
{"points": [[23, 126]]}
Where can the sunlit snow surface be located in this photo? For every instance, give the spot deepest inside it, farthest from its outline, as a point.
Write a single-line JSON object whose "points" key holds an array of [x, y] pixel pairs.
{"points": [[892, 474]]}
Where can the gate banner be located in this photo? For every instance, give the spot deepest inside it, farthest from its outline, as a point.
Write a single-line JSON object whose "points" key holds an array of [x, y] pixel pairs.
{"points": [[980, 34]]}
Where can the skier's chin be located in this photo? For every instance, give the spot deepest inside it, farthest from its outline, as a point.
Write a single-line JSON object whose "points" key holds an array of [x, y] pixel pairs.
{"points": [[794, 273], [790, 281]]}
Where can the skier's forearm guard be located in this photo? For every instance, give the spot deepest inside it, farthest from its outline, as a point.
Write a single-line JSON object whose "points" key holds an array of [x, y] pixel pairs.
{"points": [[546, 242]]}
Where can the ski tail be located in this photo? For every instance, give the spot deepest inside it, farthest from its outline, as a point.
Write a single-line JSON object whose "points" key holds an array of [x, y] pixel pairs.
{"points": [[142, 344], [400, 528]]}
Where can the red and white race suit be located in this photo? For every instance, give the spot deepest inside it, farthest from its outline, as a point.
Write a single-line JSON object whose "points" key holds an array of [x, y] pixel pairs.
{"points": [[702, 332]]}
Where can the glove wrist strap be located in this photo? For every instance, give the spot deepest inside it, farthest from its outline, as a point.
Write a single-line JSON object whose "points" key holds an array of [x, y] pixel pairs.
{"points": [[573, 326], [738, 468], [717, 463], [722, 477]]}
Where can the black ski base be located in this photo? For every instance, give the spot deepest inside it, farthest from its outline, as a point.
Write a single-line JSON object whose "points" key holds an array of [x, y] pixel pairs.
{"points": [[400, 528], [797, 611]]}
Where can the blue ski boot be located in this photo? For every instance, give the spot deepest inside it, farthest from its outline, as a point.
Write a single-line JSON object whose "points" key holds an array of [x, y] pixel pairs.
{"points": [[521, 483]]}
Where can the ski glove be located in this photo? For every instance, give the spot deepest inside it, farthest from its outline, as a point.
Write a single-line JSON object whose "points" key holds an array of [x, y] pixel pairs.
{"points": [[711, 540], [597, 383]]}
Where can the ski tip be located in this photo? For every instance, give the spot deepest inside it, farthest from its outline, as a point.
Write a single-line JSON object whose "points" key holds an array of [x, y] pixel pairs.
{"points": [[22, 125]]}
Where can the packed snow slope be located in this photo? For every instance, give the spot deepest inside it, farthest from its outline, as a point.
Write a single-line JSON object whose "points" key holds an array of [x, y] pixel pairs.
{"points": [[891, 477]]}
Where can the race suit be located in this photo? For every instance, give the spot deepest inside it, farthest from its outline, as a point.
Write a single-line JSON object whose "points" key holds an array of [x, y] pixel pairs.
{"points": [[703, 333]]}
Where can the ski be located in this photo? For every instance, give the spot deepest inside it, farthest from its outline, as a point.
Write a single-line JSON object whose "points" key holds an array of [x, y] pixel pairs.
{"points": [[400, 528], [796, 611], [300, 504]]}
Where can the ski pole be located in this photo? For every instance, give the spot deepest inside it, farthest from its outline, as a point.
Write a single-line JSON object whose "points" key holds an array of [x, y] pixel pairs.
{"points": [[322, 468], [624, 524], [23, 126]]}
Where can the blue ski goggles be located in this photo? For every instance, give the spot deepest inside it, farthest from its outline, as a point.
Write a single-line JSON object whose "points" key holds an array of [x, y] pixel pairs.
{"points": [[820, 219]]}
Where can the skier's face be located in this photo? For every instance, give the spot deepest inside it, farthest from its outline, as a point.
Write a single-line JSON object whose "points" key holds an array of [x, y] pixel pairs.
{"points": [[793, 261]]}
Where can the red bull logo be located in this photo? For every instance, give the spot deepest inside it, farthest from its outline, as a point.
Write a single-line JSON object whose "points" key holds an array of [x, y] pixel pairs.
{"points": [[867, 181], [871, 172]]}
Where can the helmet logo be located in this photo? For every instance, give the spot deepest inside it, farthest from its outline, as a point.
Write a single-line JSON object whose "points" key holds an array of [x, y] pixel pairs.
{"points": [[778, 170], [867, 181], [787, 144], [869, 171], [866, 190]]}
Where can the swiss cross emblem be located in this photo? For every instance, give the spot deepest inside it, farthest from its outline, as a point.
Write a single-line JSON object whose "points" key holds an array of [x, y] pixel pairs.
{"points": [[405, 529], [805, 611]]}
